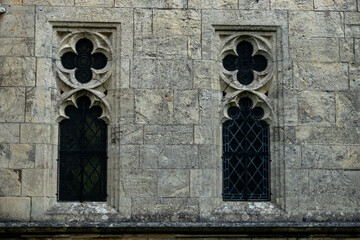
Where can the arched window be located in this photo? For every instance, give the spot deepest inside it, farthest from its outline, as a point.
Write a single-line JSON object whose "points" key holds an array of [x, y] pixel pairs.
{"points": [[83, 154], [246, 153]]}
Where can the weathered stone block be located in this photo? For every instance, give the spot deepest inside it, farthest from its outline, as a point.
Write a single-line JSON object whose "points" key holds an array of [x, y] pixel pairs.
{"points": [[163, 47], [323, 156], [142, 24], [149, 155], [316, 24], [126, 108], [256, 5], [210, 156], [18, 22], [328, 135], [334, 190], [178, 156], [173, 183], [314, 50], [297, 181], [168, 134], [205, 74], [35, 133], [15, 208], [317, 108], [12, 104], [10, 183], [99, 3], [9, 132], [130, 134], [292, 4], [130, 156], [49, 2], [352, 26], [204, 134], [164, 74], [204, 182], [352, 160], [292, 156], [321, 76], [338, 5], [357, 51], [186, 106], [22, 156], [46, 156], [5, 155], [17, 72], [39, 182], [139, 182], [151, 3], [290, 108], [11, 2], [169, 156], [346, 49], [39, 106], [354, 75], [184, 23], [165, 210], [17, 47], [39, 207], [213, 4], [347, 109], [154, 106]]}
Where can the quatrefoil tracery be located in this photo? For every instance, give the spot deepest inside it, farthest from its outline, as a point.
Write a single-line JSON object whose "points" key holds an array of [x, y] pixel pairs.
{"points": [[245, 63], [84, 60]]}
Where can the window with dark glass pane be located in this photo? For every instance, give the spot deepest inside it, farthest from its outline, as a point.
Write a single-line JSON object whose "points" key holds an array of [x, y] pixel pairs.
{"points": [[83, 154], [246, 153]]}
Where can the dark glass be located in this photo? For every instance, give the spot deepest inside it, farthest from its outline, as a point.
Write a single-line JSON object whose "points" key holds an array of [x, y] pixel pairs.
{"points": [[83, 155], [246, 153], [83, 61], [245, 63]]}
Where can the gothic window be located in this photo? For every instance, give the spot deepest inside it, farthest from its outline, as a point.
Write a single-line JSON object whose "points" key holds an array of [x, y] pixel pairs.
{"points": [[246, 153], [83, 153]]}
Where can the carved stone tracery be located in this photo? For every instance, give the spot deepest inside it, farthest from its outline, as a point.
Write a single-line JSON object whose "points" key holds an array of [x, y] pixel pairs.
{"points": [[258, 67], [96, 82]]}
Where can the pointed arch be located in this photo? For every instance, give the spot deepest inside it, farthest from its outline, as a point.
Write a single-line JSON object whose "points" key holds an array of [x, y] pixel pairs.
{"points": [[246, 153], [83, 153]]}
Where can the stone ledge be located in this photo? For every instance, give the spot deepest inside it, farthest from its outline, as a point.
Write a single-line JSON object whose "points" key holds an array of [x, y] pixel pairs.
{"points": [[351, 229]]}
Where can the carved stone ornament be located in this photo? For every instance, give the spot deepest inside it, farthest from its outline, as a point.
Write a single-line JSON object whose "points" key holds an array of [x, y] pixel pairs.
{"points": [[84, 66], [247, 68]]}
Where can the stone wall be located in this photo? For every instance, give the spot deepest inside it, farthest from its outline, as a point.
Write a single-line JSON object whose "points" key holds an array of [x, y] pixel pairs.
{"points": [[166, 107]]}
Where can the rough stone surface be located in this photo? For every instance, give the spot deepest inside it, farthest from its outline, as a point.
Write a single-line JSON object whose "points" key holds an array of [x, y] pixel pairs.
{"points": [[340, 5], [17, 71], [15, 208], [8, 98], [165, 101], [10, 182], [347, 109], [22, 156], [317, 108]]}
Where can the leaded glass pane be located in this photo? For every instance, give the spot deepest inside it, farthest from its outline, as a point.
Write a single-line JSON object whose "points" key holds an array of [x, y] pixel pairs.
{"points": [[246, 153], [83, 154]]}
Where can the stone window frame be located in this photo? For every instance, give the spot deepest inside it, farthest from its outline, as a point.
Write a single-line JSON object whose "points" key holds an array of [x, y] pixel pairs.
{"points": [[250, 22], [50, 23]]}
